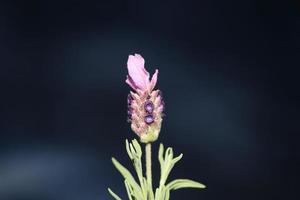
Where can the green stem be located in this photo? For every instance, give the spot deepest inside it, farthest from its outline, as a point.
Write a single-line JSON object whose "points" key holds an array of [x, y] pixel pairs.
{"points": [[149, 170]]}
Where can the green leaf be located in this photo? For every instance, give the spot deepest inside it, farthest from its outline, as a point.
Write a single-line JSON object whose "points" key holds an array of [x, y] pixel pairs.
{"points": [[116, 197], [127, 176], [129, 190], [128, 150], [167, 163], [140, 192], [184, 183], [175, 160], [134, 151], [137, 147], [160, 154], [161, 193], [167, 194]]}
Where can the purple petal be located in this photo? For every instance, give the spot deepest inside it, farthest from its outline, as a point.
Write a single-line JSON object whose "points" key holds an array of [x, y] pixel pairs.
{"points": [[131, 83], [153, 80], [149, 107], [149, 119], [129, 99], [137, 72]]}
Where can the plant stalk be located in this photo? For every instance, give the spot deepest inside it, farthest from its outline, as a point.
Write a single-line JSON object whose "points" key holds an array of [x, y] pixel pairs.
{"points": [[149, 171]]}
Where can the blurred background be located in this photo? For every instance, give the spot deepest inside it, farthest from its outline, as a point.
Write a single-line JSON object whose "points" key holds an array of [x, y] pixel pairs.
{"points": [[229, 71]]}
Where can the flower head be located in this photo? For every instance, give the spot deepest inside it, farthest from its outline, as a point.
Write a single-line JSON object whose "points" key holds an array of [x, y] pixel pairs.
{"points": [[145, 105]]}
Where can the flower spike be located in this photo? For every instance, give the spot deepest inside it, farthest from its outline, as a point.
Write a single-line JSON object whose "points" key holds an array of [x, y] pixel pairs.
{"points": [[145, 105]]}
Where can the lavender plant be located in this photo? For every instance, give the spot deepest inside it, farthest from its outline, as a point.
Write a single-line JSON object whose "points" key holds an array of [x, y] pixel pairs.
{"points": [[145, 113]]}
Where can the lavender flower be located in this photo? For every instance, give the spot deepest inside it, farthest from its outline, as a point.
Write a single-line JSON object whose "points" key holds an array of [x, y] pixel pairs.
{"points": [[145, 112], [145, 105]]}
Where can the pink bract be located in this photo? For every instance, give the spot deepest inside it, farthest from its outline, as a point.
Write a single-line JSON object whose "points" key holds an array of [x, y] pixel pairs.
{"points": [[138, 76]]}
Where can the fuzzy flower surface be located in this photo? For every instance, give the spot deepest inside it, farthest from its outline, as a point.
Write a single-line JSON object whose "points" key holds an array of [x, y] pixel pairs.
{"points": [[145, 105]]}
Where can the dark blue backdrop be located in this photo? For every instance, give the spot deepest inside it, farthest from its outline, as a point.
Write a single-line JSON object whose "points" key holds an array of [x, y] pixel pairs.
{"points": [[229, 71]]}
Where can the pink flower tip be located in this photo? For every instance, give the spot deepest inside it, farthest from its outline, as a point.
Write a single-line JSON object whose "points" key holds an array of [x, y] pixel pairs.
{"points": [[138, 76]]}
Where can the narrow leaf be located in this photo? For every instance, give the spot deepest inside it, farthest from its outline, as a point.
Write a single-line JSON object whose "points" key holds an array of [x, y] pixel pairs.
{"points": [[137, 147], [175, 160], [128, 189], [116, 197], [160, 153], [184, 183], [128, 150], [127, 175]]}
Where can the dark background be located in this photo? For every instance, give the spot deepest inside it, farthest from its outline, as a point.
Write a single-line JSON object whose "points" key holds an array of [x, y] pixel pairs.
{"points": [[229, 71]]}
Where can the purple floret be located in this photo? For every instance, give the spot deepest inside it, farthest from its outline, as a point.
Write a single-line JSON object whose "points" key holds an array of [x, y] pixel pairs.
{"points": [[149, 107], [129, 114], [129, 99], [149, 119]]}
